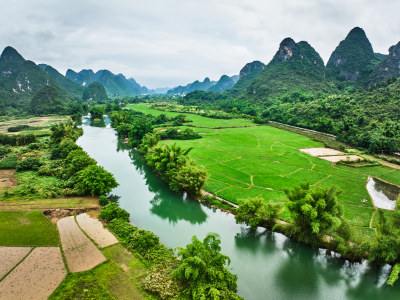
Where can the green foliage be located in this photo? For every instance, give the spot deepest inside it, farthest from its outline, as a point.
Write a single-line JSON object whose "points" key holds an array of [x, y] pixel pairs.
{"points": [[9, 162], [97, 112], [27, 228], [18, 128], [394, 274], [149, 140], [47, 101], [104, 200], [94, 180], [29, 164], [4, 150], [77, 160], [386, 247], [166, 159], [314, 212], [256, 212], [96, 92], [203, 270], [173, 133], [188, 178], [17, 140], [112, 211], [61, 150], [64, 131]]}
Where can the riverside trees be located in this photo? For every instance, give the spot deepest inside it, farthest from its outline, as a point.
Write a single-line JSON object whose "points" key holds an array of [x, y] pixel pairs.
{"points": [[171, 162], [314, 212]]}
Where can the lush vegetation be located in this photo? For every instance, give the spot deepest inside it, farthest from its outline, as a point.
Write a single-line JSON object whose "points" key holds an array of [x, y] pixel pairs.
{"points": [[170, 162], [203, 269], [27, 228], [201, 273]]}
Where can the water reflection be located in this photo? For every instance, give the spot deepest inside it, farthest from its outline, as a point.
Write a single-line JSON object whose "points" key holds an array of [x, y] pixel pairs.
{"points": [[255, 240], [167, 204], [382, 193]]}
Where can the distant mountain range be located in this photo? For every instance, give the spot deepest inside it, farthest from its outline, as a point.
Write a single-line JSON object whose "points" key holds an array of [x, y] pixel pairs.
{"points": [[115, 85], [223, 84], [296, 67]]}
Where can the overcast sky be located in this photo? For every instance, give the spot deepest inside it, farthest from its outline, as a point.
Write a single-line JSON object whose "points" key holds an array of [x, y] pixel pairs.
{"points": [[170, 42]]}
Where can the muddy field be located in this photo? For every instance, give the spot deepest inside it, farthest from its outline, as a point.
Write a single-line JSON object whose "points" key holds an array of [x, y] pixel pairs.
{"points": [[80, 252], [341, 157], [7, 178], [316, 152], [37, 121], [94, 228], [36, 277], [10, 256]]}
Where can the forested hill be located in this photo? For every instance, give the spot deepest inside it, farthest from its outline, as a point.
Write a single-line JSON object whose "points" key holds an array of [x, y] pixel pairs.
{"points": [[224, 83], [115, 85], [20, 81], [353, 59], [73, 88], [295, 66]]}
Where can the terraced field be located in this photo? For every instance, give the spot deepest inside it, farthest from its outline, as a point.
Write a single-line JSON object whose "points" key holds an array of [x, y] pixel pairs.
{"points": [[256, 160]]}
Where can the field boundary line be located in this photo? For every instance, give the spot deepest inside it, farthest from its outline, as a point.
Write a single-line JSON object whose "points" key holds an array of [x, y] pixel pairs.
{"points": [[17, 264]]}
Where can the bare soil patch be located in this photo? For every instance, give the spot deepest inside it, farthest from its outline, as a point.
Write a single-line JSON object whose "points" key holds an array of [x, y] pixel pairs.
{"points": [[7, 178], [81, 254], [316, 152], [59, 213], [36, 277], [10, 256], [37, 121], [94, 228], [341, 157]]}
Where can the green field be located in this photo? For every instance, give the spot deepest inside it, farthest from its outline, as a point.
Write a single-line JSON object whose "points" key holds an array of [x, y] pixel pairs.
{"points": [[27, 228], [245, 162]]}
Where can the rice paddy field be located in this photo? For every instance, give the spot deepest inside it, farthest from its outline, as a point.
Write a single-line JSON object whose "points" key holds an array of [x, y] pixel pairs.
{"points": [[245, 160]]}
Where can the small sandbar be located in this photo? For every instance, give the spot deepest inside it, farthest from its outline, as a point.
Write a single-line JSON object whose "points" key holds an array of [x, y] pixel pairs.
{"points": [[36, 277], [94, 228], [341, 157], [10, 256], [316, 152], [81, 254], [383, 194]]}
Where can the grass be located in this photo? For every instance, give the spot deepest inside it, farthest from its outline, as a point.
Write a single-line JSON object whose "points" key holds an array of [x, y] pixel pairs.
{"points": [[33, 186], [43, 122], [243, 162], [106, 281], [198, 121], [27, 228], [73, 202]]}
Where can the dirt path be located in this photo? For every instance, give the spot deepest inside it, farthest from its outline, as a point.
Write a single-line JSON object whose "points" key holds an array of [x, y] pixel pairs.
{"points": [[36, 277], [94, 228], [10, 256], [80, 252]]}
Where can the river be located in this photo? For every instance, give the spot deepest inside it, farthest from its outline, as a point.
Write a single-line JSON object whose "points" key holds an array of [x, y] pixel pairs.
{"points": [[268, 265]]}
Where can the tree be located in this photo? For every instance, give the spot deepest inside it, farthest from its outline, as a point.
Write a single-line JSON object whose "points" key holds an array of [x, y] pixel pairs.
{"points": [[203, 270], [189, 178], [255, 212], [314, 212], [94, 180], [77, 160], [97, 112]]}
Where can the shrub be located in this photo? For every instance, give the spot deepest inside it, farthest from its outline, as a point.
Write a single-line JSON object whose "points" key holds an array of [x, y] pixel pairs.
{"points": [[4, 150], [112, 211], [8, 163], [104, 200], [94, 180], [29, 164]]}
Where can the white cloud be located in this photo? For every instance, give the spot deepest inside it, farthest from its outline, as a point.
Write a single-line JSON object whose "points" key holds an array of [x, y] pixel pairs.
{"points": [[171, 42]]}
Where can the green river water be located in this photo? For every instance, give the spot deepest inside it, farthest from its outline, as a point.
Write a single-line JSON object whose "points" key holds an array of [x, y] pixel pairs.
{"points": [[268, 265]]}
